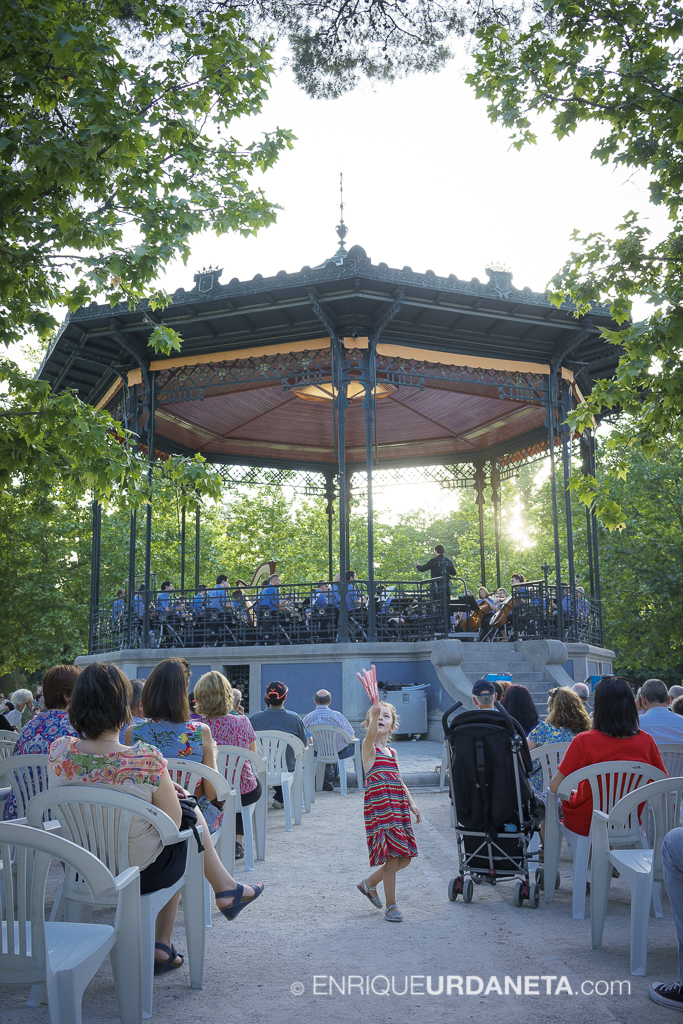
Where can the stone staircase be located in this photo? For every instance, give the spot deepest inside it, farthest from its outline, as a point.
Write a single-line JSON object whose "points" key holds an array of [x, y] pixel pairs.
{"points": [[480, 662]]}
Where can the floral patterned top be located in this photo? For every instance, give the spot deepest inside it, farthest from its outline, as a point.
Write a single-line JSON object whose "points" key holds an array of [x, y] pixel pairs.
{"points": [[138, 770], [541, 734], [235, 731], [36, 738], [179, 739]]}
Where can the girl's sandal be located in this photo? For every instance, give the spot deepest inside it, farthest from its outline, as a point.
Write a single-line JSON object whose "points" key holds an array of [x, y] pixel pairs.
{"points": [[375, 900], [393, 913]]}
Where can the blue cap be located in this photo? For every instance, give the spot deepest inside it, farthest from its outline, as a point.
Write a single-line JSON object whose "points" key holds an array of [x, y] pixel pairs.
{"points": [[483, 686]]}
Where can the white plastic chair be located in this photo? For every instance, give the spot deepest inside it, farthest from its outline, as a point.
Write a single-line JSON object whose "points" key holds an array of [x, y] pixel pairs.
{"points": [[325, 739], [641, 869], [8, 741], [26, 775], [64, 956], [230, 761], [273, 748], [672, 756], [549, 756], [187, 774], [99, 818], [610, 781], [309, 777]]}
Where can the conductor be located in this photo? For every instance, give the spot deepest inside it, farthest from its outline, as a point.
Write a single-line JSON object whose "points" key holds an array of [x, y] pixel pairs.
{"points": [[439, 567]]}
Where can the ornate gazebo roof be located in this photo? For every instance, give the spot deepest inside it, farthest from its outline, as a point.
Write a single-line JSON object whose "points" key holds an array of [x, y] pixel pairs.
{"points": [[465, 364]]}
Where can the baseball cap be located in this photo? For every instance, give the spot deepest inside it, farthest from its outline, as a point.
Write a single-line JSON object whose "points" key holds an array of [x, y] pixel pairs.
{"points": [[276, 691], [483, 686]]}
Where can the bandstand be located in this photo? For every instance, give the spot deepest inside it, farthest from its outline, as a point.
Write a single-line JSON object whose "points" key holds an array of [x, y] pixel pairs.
{"points": [[336, 373]]}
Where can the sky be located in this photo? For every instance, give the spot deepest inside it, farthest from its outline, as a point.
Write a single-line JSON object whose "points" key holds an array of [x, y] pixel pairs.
{"points": [[429, 183]]}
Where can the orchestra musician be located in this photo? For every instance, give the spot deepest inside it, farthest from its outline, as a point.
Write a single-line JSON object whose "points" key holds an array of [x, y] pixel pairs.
{"points": [[241, 602], [118, 608], [218, 597], [488, 609], [439, 566]]}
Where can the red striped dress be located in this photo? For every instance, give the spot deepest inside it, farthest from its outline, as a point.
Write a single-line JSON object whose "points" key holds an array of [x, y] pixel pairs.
{"points": [[387, 814]]}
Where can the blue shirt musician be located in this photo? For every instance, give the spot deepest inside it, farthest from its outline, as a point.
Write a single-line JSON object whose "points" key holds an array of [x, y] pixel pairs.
{"points": [[199, 601], [270, 595], [118, 608], [218, 597], [164, 600], [354, 597], [320, 595]]}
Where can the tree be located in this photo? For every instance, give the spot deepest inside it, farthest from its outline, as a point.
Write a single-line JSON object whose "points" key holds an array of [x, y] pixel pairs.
{"points": [[333, 43], [114, 150], [619, 64]]}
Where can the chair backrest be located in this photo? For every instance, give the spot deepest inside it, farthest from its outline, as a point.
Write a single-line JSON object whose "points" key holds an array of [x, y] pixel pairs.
{"points": [[550, 756], [8, 741], [672, 756], [29, 851], [325, 739], [27, 775], [610, 782], [230, 761], [188, 773], [273, 747], [665, 799], [98, 818]]}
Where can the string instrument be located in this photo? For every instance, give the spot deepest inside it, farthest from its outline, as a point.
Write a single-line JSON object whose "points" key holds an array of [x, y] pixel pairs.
{"points": [[503, 614], [471, 620], [262, 573]]}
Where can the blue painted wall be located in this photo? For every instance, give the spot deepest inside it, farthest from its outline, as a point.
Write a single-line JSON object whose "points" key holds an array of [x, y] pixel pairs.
{"points": [[303, 680]]}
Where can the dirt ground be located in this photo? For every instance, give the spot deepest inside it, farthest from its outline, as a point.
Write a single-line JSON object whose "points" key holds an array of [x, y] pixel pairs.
{"points": [[313, 949]]}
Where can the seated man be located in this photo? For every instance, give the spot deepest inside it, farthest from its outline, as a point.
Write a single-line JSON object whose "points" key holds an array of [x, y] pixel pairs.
{"points": [[324, 715], [671, 995], [658, 721], [320, 595], [218, 597], [278, 718]]}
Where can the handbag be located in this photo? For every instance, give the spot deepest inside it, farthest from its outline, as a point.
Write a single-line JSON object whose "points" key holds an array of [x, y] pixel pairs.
{"points": [[189, 818]]}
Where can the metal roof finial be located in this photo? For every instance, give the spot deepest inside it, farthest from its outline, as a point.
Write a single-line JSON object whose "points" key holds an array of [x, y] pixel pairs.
{"points": [[342, 229]]}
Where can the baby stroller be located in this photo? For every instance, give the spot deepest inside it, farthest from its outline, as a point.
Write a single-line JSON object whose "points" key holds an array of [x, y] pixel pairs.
{"points": [[493, 804]]}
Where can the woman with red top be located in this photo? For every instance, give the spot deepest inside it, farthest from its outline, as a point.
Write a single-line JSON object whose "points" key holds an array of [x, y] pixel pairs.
{"points": [[615, 736], [213, 695]]}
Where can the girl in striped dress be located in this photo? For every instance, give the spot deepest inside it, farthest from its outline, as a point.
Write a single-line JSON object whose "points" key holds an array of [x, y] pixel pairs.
{"points": [[391, 843]]}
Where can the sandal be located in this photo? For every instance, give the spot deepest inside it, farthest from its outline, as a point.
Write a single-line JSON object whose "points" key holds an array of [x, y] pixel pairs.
{"points": [[238, 903], [393, 913], [162, 966], [375, 900]]}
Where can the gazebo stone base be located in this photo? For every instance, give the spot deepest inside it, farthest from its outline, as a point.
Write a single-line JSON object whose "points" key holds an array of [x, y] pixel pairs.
{"points": [[448, 666]]}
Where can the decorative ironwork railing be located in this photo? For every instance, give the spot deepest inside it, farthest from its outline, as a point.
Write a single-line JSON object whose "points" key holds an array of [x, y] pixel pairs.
{"points": [[307, 613], [535, 613]]}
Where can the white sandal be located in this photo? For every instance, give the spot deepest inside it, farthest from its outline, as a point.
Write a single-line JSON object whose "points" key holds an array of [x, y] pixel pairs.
{"points": [[393, 913]]}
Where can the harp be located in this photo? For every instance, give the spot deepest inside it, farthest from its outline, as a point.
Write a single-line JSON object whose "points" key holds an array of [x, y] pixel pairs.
{"points": [[262, 572]]}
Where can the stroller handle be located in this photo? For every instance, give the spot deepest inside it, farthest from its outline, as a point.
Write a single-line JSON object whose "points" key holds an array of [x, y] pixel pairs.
{"points": [[446, 715]]}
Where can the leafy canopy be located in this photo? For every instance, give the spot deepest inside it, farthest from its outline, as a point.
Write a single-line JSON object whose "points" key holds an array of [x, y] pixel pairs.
{"points": [[115, 149], [619, 64]]}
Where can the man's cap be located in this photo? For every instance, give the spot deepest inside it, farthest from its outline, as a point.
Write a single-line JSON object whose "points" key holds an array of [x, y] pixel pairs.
{"points": [[483, 686], [276, 691]]}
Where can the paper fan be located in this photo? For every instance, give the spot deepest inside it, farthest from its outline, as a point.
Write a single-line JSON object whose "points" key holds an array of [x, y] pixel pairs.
{"points": [[369, 681]]}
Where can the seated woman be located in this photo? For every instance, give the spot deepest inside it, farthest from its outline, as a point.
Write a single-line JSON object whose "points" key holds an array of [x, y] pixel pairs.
{"points": [[567, 717], [49, 725], [615, 736], [489, 608], [99, 707], [170, 729], [214, 698], [519, 704]]}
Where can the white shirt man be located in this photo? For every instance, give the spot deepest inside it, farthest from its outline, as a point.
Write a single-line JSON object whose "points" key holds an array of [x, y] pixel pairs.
{"points": [[658, 720]]}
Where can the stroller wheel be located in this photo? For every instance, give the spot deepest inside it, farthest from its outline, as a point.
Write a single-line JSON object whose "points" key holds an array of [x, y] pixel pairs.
{"points": [[518, 898], [453, 890], [534, 895], [539, 878], [467, 890]]}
